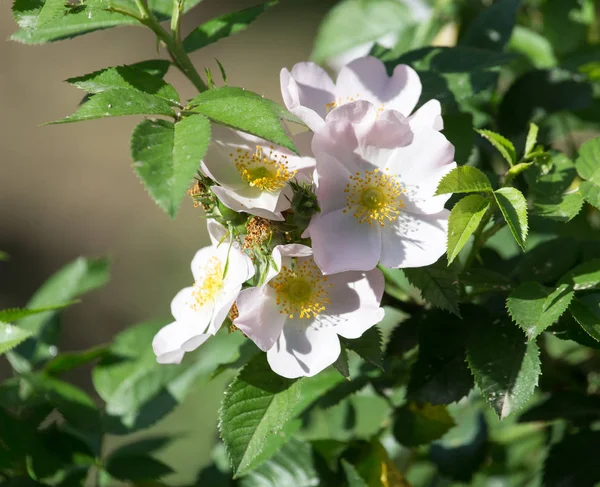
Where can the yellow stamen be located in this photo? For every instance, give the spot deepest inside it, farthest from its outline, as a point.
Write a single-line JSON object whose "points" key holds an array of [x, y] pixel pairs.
{"points": [[342, 100], [268, 172], [301, 291], [208, 286], [374, 196]]}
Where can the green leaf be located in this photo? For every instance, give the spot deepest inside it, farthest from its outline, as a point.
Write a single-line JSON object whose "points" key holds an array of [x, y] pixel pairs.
{"points": [[292, 466], [548, 261], [513, 206], [242, 110], [355, 22], [138, 391], [586, 311], [75, 279], [67, 361], [440, 374], [552, 178], [464, 179], [341, 364], [588, 162], [257, 409], [368, 346], [125, 77], [143, 446], [118, 102], [166, 157], [70, 24], [223, 26], [4, 257], [418, 424], [465, 217], [591, 192], [458, 129], [584, 277], [153, 67], [535, 307], [485, 280], [502, 145], [13, 314], [11, 336], [352, 476], [570, 462], [256, 406], [562, 208], [493, 27], [438, 284], [136, 468], [535, 47], [505, 365], [538, 93], [531, 139]]}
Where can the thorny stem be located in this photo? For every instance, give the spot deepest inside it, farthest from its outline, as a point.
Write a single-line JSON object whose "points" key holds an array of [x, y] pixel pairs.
{"points": [[172, 42]]}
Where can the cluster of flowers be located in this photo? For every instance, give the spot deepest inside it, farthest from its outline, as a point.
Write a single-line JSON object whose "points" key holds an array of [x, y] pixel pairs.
{"points": [[293, 261]]}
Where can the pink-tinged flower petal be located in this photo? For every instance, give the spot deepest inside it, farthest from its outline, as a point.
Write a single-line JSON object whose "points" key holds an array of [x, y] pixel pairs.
{"points": [[353, 291], [294, 250], [415, 240], [331, 178], [428, 116], [340, 137], [259, 317], [367, 79], [420, 166], [303, 350], [185, 312], [306, 92], [341, 243], [173, 340], [303, 142], [259, 203]]}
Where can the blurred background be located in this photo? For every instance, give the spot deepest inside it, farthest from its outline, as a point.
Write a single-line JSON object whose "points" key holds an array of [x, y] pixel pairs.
{"points": [[69, 190]]}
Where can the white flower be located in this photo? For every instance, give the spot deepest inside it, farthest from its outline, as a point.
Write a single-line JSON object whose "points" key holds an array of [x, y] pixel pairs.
{"points": [[310, 94], [253, 175], [297, 315], [219, 271], [376, 179]]}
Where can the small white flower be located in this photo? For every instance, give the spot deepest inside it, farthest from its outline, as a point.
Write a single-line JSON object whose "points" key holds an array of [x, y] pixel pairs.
{"points": [[253, 175], [310, 94], [219, 271], [376, 182], [297, 315]]}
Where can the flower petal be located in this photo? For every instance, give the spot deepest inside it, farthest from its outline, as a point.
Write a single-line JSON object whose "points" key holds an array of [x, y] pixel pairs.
{"points": [[367, 79], [353, 291], [428, 116], [420, 166], [303, 350], [306, 91], [415, 240], [197, 317], [253, 201], [341, 244], [221, 309], [259, 317], [173, 340], [331, 178]]}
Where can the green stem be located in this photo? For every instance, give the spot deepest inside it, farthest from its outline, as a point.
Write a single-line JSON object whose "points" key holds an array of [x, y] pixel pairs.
{"points": [[176, 20], [179, 56]]}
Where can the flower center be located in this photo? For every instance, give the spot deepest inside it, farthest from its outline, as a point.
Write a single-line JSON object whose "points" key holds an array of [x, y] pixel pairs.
{"points": [[208, 286], [342, 100], [374, 196], [301, 290], [266, 172]]}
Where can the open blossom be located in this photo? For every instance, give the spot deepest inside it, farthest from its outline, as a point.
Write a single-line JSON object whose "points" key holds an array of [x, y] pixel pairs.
{"points": [[219, 271], [297, 315], [376, 180], [253, 175], [310, 94]]}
